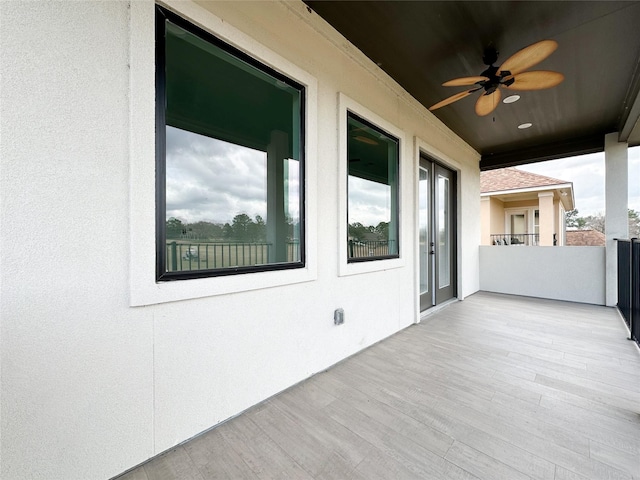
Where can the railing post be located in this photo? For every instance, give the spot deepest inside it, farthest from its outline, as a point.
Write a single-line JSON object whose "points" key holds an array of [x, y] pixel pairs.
{"points": [[634, 313], [625, 288], [174, 257]]}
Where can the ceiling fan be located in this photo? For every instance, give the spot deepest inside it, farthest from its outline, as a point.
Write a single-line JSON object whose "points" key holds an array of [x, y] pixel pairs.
{"points": [[510, 75]]}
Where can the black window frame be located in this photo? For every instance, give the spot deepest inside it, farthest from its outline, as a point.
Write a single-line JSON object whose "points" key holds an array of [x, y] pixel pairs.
{"points": [[162, 274], [381, 130]]}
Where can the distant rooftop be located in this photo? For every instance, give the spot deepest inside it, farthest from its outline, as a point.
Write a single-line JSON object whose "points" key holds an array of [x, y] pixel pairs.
{"points": [[514, 179], [589, 238]]}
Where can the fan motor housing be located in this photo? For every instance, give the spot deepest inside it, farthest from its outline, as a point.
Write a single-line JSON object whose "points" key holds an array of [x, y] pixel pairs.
{"points": [[495, 80]]}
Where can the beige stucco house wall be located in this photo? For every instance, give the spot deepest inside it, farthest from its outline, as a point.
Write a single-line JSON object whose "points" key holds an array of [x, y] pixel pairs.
{"points": [[519, 207]]}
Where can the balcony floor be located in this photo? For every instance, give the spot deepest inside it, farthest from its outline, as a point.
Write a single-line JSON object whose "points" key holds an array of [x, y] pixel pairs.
{"points": [[495, 387]]}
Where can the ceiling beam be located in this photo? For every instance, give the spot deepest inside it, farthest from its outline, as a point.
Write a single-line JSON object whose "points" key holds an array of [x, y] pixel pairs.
{"points": [[542, 153], [631, 110]]}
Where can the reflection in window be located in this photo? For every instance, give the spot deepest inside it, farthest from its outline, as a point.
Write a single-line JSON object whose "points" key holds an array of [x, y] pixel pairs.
{"points": [[423, 213], [230, 199], [372, 191], [444, 233]]}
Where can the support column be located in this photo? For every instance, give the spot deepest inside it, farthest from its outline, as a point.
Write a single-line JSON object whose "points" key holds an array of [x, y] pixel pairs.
{"points": [[547, 218], [485, 218], [616, 219], [276, 194]]}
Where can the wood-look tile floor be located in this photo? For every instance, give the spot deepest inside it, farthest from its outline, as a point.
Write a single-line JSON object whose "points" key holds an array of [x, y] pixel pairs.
{"points": [[494, 387]]}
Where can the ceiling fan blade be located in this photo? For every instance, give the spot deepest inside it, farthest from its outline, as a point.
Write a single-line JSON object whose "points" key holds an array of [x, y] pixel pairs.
{"points": [[458, 82], [536, 80], [452, 98], [528, 56], [487, 103]]}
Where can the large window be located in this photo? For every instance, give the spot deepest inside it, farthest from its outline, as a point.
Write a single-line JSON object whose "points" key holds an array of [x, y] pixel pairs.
{"points": [[372, 186], [229, 158]]}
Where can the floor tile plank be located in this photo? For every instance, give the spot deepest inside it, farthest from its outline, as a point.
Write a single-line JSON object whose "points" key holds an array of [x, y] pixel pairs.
{"points": [[493, 387]]}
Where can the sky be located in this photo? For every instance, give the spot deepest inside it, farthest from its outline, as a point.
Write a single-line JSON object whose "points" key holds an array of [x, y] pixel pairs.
{"points": [[587, 174], [369, 202], [213, 181]]}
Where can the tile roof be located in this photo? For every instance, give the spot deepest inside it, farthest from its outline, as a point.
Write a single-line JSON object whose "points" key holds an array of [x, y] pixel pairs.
{"points": [[513, 179], [589, 238]]}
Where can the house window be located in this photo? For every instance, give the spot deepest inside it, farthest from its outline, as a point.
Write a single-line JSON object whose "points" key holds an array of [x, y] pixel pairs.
{"points": [[372, 186], [230, 167]]}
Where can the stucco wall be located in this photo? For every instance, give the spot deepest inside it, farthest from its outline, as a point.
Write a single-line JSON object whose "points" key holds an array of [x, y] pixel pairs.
{"points": [[497, 217], [575, 274], [492, 218], [92, 385], [520, 204]]}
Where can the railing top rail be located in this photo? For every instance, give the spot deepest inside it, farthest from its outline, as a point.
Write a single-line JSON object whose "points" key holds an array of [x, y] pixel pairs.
{"points": [[514, 234]]}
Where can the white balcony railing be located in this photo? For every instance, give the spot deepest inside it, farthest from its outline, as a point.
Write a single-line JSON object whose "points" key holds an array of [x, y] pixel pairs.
{"points": [[528, 239], [576, 274]]}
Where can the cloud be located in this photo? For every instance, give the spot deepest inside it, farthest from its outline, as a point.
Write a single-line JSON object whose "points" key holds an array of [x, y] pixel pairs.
{"points": [[369, 202], [212, 180], [587, 172]]}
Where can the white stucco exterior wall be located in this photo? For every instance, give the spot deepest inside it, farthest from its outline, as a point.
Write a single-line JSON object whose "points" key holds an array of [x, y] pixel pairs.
{"points": [[574, 274], [91, 385]]}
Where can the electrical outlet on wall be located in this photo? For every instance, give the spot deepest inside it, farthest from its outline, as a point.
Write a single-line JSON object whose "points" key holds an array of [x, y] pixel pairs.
{"points": [[338, 316]]}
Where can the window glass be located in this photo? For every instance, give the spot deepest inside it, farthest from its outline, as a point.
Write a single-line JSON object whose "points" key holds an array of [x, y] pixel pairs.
{"points": [[229, 159], [425, 234], [372, 191], [444, 233]]}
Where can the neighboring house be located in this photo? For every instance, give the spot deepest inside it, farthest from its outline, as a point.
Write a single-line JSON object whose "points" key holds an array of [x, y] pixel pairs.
{"points": [[585, 238], [522, 208]]}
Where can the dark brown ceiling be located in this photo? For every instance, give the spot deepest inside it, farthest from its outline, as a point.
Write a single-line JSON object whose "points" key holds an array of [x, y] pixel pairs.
{"points": [[422, 44]]}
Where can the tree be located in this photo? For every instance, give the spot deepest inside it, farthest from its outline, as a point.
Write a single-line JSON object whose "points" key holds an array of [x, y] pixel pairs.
{"points": [[382, 229], [573, 220], [597, 222], [258, 230], [634, 224], [358, 231], [227, 231], [175, 228], [241, 226]]}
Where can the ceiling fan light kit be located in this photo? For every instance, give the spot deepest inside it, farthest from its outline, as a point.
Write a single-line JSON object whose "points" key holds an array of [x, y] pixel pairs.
{"points": [[510, 75]]}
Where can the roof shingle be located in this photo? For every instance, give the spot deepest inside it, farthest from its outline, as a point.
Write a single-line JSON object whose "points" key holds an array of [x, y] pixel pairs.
{"points": [[513, 179], [588, 238]]}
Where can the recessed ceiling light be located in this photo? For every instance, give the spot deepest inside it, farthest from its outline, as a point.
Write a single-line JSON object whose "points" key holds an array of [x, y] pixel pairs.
{"points": [[511, 99], [524, 125]]}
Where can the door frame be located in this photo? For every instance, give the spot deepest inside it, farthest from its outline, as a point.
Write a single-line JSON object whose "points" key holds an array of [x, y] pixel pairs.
{"points": [[433, 297]]}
